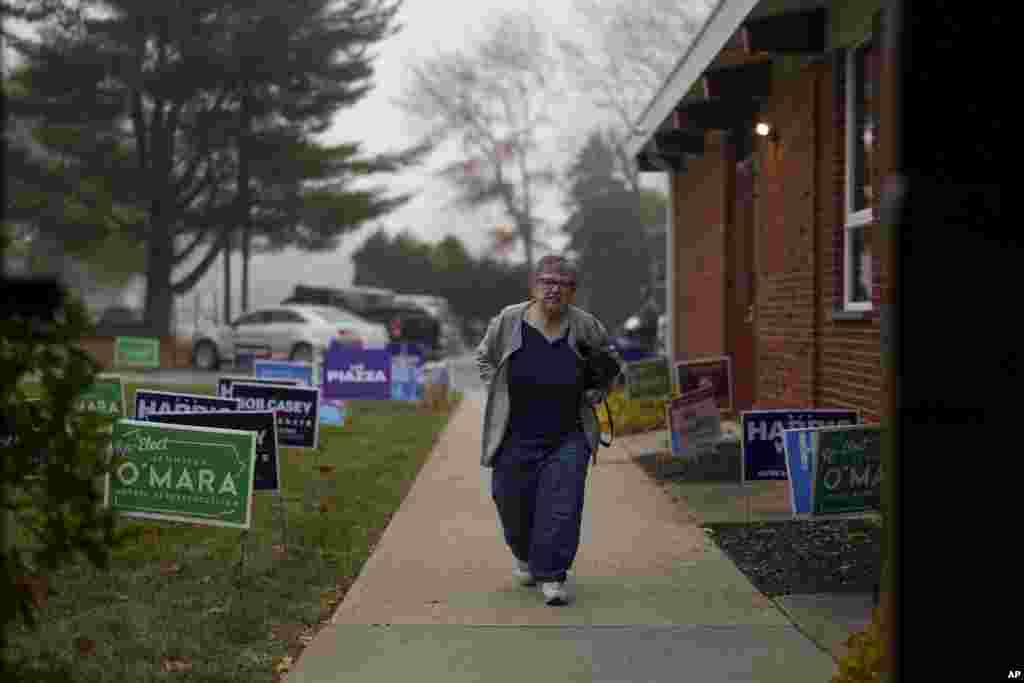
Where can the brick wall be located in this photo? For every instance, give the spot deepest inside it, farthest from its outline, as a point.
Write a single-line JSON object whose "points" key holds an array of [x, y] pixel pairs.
{"points": [[699, 252], [806, 355], [849, 366], [785, 235]]}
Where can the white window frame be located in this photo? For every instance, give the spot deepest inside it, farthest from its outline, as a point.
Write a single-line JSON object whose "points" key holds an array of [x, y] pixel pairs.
{"points": [[852, 219]]}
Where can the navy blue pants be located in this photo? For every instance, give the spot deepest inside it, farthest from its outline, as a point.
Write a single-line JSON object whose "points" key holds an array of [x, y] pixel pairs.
{"points": [[539, 495]]}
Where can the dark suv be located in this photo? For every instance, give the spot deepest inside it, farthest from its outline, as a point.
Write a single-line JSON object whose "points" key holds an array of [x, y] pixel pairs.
{"points": [[406, 323]]}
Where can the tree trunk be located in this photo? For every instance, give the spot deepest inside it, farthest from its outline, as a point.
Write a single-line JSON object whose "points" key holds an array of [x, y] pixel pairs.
{"points": [[227, 276], [159, 266], [246, 238], [245, 199]]}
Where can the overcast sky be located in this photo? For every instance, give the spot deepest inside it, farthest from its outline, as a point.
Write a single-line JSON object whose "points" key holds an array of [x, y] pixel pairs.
{"points": [[380, 126]]}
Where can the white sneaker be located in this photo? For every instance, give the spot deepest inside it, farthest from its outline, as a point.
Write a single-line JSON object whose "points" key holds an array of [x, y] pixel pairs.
{"points": [[523, 575], [554, 593]]}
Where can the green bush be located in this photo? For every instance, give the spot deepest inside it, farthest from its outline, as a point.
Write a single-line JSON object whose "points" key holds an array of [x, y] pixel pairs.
{"points": [[631, 417], [57, 504]]}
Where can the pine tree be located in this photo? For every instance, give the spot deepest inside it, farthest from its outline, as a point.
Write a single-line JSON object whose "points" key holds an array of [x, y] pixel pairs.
{"points": [[202, 116]]}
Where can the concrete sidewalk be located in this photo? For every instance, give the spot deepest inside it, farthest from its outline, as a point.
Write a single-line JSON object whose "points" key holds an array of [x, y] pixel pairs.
{"points": [[653, 599]]}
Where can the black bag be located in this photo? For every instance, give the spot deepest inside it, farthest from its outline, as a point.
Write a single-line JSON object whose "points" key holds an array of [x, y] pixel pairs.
{"points": [[600, 370]]}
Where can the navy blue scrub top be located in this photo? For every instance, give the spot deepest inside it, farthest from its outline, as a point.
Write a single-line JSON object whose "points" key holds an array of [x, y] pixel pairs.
{"points": [[545, 385]]}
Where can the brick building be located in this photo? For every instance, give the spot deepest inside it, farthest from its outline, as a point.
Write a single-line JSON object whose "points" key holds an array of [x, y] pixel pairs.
{"points": [[773, 130]]}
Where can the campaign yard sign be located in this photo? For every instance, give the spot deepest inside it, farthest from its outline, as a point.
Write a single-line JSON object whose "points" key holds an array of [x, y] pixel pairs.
{"points": [[695, 424], [357, 373], [148, 401], [105, 396], [713, 371], [648, 379], [267, 470], [182, 473], [136, 352], [333, 412], [761, 434], [801, 447], [406, 365], [301, 372], [848, 475], [297, 408], [224, 383]]}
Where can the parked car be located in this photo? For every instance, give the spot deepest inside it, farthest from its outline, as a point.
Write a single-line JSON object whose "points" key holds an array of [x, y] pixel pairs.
{"points": [[293, 332], [452, 340], [405, 322]]}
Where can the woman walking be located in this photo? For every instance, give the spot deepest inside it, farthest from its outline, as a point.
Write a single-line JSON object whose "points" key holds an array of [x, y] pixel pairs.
{"points": [[540, 428]]}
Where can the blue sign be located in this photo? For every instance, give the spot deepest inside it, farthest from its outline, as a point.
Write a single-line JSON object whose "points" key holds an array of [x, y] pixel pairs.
{"points": [[761, 430], [351, 373], [298, 410], [406, 380], [284, 369], [148, 402], [801, 446], [333, 412]]}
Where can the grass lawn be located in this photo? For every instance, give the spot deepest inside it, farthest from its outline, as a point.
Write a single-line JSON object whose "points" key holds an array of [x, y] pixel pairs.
{"points": [[174, 602]]}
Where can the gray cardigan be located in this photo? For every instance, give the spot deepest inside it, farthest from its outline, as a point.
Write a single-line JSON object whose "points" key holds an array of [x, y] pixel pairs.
{"points": [[505, 335]]}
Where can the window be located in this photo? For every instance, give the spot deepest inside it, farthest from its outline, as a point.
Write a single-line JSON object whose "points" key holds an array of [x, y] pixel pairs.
{"points": [[257, 318], [335, 316], [285, 318], [861, 160]]}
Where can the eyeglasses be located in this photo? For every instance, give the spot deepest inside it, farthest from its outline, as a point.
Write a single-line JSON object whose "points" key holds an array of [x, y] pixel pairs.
{"points": [[552, 283]]}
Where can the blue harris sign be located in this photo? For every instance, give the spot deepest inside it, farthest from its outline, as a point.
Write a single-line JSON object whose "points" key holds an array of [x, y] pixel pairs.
{"points": [[801, 446], [351, 373], [148, 402], [761, 431]]}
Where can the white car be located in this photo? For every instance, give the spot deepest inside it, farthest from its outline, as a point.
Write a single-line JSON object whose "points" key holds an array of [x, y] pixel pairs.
{"points": [[289, 332]]}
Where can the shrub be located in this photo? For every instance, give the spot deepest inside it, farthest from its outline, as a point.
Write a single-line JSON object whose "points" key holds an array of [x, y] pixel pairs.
{"points": [[55, 503], [631, 417]]}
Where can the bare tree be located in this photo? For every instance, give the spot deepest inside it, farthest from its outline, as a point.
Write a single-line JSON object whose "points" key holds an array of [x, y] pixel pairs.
{"points": [[631, 47], [492, 103]]}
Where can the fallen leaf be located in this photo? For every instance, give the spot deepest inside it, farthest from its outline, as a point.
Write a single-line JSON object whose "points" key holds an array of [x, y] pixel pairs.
{"points": [[38, 588], [283, 664], [151, 536], [169, 567], [762, 601], [280, 552], [328, 504], [328, 600], [326, 470], [176, 664], [286, 633], [86, 647]]}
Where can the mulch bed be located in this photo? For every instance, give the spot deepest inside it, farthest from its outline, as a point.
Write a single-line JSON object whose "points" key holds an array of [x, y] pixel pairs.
{"points": [[798, 556], [801, 556]]}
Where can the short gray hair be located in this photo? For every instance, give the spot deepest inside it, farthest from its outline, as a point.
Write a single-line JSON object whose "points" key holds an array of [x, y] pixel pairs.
{"points": [[557, 264]]}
